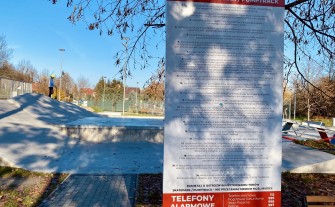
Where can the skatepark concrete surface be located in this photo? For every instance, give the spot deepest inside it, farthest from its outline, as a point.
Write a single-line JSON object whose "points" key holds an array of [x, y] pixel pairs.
{"points": [[302, 159], [31, 138]]}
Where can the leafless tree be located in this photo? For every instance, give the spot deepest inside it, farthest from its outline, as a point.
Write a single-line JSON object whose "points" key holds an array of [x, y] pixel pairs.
{"points": [[138, 20], [27, 71], [82, 84], [309, 29], [67, 85], [5, 51]]}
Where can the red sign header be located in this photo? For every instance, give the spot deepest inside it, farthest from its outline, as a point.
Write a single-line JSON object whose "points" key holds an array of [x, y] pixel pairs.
{"points": [[240, 199]]}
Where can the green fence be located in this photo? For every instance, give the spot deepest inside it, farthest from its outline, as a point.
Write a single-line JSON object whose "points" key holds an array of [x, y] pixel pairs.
{"points": [[143, 107]]}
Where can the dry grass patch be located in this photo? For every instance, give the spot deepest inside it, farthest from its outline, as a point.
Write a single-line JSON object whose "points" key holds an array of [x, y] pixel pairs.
{"points": [[22, 188], [317, 144]]}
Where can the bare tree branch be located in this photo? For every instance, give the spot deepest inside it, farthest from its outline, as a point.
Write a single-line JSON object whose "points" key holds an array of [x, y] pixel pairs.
{"points": [[297, 66]]}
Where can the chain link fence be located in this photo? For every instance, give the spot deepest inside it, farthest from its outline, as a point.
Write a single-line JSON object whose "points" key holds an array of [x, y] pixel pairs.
{"points": [[130, 106], [12, 88]]}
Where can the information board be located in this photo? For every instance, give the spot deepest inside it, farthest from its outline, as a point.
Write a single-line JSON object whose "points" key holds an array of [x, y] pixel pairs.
{"points": [[223, 108]]}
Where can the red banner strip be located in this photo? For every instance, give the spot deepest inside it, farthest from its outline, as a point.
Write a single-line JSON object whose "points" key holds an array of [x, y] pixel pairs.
{"points": [[238, 199]]}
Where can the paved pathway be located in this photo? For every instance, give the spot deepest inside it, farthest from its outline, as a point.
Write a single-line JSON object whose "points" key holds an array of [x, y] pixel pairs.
{"points": [[94, 191]]}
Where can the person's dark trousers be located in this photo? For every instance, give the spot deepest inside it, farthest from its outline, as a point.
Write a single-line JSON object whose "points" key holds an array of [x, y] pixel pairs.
{"points": [[51, 91]]}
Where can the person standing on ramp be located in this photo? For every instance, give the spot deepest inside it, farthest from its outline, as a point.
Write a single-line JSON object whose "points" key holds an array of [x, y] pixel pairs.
{"points": [[51, 85]]}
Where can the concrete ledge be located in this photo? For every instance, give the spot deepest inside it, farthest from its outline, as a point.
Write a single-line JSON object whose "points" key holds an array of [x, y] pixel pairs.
{"points": [[114, 134], [111, 114]]}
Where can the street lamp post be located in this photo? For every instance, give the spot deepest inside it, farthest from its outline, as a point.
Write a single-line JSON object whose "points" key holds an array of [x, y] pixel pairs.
{"points": [[289, 110], [294, 103], [61, 73], [103, 97], [124, 72], [136, 100]]}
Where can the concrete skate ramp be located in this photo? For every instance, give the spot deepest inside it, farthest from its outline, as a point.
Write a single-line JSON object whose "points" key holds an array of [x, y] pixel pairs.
{"points": [[50, 110], [78, 123], [27, 140]]}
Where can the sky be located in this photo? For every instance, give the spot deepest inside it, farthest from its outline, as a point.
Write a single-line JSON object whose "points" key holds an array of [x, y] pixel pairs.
{"points": [[37, 29]]}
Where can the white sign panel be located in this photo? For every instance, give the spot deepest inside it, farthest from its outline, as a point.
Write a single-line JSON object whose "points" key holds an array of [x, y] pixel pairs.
{"points": [[222, 141]]}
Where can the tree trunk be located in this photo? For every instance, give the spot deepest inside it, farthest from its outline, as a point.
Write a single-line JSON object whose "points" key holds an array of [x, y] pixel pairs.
{"points": [[308, 110]]}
